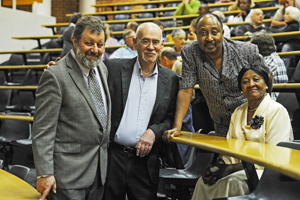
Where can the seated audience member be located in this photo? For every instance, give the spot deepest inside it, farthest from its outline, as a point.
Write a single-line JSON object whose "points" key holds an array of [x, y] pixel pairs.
{"points": [[259, 120], [110, 41], [178, 36], [187, 7], [203, 9], [161, 26], [192, 31], [290, 43], [66, 39], [168, 58], [256, 24], [235, 5], [128, 51], [267, 48], [129, 26], [225, 27], [244, 15], [278, 20]]}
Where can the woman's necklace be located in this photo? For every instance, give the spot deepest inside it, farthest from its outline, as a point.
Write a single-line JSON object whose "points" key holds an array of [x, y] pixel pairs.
{"points": [[251, 110]]}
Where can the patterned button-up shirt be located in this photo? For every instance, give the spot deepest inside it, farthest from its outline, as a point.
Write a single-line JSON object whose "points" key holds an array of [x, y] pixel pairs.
{"points": [[278, 69], [220, 90]]}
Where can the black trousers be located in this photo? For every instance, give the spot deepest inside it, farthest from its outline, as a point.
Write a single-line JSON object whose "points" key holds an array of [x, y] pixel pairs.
{"points": [[128, 174], [94, 192]]}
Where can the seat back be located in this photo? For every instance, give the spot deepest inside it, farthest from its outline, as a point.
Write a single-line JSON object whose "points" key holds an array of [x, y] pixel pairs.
{"points": [[121, 16], [20, 171], [150, 6], [123, 7], [146, 15], [15, 129]]}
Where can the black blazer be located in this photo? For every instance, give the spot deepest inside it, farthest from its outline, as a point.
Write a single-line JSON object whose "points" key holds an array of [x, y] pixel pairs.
{"points": [[119, 77]]}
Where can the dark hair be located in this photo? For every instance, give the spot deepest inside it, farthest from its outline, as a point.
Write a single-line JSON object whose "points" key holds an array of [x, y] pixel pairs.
{"points": [[265, 43], [170, 53], [91, 23], [126, 33], [261, 70], [158, 23], [216, 16], [133, 25], [74, 18]]}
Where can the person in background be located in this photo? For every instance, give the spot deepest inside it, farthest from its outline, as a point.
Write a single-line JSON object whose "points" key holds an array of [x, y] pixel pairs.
{"points": [[70, 135], [66, 39], [161, 26], [187, 7], [267, 48], [236, 4], [278, 20], [129, 26], [225, 27], [203, 9], [178, 36], [110, 41], [168, 59], [244, 15], [128, 51], [256, 24], [291, 43], [260, 119], [192, 31]]}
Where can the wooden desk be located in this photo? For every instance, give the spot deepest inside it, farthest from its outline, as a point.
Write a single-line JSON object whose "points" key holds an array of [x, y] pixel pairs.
{"points": [[135, 3], [18, 87], [273, 34], [23, 52], [38, 38], [14, 188], [290, 54], [23, 67], [283, 160], [152, 10], [15, 117]]}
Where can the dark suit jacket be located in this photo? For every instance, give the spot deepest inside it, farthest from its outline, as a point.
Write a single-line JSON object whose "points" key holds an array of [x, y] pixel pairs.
{"points": [[68, 139], [119, 77]]}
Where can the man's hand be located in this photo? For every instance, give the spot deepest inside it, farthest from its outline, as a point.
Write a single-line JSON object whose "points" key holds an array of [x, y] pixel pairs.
{"points": [[44, 185], [170, 134], [52, 63], [242, 13], [145, 143]]}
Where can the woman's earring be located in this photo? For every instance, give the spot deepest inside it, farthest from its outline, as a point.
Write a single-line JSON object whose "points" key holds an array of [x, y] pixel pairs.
{"points": [[267, 87], [242, 92]]}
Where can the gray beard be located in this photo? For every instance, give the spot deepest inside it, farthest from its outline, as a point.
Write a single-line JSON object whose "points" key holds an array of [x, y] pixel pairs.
{"points": [[89, 64]]}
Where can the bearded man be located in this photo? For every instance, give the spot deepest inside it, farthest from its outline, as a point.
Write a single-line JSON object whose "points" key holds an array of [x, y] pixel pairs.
{"points": [[72, 120]]}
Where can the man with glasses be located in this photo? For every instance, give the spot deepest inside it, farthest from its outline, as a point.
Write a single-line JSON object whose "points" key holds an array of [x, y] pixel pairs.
{"points": [[128, 51], [143, 107], [255, 26]]}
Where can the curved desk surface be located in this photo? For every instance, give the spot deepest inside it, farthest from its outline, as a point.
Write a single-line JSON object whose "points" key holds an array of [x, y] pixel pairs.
{"points": [[283, 160], [14, 188], [16, 117]]}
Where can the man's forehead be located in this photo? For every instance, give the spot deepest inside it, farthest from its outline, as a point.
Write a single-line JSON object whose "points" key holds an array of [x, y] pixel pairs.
{"points": [[209, 21]]}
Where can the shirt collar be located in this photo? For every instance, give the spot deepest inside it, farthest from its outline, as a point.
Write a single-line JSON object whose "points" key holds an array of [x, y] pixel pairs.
{"points": [[155, 71]]}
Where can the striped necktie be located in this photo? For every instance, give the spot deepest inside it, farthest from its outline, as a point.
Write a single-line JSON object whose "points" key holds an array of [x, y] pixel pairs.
{"points": [[97, 97]]}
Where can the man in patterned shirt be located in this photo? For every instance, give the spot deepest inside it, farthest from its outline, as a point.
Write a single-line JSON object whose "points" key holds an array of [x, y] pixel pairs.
{"points": [[266, 45], [213, 62]]}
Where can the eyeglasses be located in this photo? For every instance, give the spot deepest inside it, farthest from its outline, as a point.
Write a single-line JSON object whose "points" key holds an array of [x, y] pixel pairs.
{"points": [[146, 42], [129, 37]]}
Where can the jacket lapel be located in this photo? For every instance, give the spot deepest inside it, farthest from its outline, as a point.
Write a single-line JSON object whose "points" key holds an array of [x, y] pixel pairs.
{"points": [[77, 77], [126, 74], [162, 81]]}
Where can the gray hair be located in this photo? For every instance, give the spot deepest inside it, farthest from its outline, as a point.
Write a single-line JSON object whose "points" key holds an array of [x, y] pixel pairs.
{"points": [[74, 18], [220, 14], [93, 24], [126, 33], [294, 12], [177, 31], [265, 43]]}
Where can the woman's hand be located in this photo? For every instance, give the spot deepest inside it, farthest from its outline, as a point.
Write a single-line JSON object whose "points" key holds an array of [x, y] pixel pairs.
{"points": [[167, 135], [215, 172], [52, 63]]}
